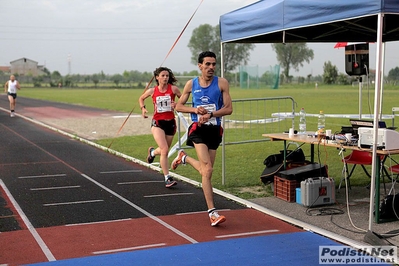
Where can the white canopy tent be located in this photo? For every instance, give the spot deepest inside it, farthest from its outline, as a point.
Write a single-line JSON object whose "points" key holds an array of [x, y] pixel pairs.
{"points": [[294, 21]]}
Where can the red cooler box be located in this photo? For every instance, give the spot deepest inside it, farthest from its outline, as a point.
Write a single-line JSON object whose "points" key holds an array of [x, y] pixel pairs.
{"points": [[317, 191]]}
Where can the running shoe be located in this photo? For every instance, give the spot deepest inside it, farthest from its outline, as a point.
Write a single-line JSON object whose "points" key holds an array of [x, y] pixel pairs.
{"points": [[150, 158], [170, 182], [12, 114], [179, 159], [216, 218]]}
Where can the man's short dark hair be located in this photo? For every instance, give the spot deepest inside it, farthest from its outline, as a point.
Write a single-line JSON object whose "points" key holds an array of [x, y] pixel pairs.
{"points": [[202, 55]]}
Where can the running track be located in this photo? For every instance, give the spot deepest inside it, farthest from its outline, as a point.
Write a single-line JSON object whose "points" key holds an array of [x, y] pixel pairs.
{"points": [[64, 202]]}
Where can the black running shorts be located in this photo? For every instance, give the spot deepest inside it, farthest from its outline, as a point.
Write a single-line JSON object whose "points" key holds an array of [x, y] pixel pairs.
{"points": [[169, 126], [210, 135], [13, 95]]}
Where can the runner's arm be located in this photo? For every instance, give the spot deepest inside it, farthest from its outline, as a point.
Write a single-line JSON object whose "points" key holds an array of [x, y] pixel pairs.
{"points": [[181, 107], [144, 96]]}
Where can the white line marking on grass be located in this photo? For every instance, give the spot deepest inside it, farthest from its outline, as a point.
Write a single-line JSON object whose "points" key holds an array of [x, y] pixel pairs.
{"points": [[71, 203], [51, 188], [249, 233], [28, 224], [175, 230], [40, 176], [127, 249], [121, 171], [168, 195]]}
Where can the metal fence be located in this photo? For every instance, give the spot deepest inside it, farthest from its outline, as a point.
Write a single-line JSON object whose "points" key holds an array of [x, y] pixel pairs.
{"points": [[250, 119]]}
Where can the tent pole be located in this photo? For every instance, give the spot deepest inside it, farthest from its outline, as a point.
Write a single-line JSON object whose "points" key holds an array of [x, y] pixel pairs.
{"points": [[374, 195], [382, 79], [223, 120], [360, 96]]}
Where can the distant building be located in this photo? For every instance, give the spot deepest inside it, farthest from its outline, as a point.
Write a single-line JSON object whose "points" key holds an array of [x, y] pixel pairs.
{"points": [[26, 67], [5, 69]]}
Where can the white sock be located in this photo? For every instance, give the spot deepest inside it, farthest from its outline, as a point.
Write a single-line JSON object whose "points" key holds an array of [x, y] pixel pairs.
{"points": [[152, 153], [166, 177], [210, 211]]}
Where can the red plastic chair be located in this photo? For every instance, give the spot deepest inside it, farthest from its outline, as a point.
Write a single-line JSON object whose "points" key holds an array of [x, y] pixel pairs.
{"points": [[394, 169], [357, 157]]}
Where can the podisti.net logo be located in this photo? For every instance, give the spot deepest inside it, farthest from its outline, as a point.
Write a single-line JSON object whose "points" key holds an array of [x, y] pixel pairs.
{"points": [[362, 255]]}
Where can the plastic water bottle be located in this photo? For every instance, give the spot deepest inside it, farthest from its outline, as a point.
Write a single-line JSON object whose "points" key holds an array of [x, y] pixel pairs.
{"points": [[302, 121], [321, 124]]}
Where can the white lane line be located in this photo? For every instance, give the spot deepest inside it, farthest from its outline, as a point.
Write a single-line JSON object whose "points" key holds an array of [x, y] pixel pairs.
{"points": [[189, 213], [127, 249], [139, 182], [40, 176], [51, 188], [175, 230], [102, 222], [28, 224], [249, 233], [168, 195], [70, 203], [121, 171]]}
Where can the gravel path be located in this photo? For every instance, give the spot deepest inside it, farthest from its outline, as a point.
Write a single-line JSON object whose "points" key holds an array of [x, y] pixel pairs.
{"points": [[94, 128]]}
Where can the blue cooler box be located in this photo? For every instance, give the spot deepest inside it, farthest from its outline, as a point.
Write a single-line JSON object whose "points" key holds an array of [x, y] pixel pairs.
{"points": [[298, 195]]}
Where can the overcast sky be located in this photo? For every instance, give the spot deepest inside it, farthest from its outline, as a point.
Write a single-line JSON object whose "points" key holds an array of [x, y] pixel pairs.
{"points": [[118, 35]]}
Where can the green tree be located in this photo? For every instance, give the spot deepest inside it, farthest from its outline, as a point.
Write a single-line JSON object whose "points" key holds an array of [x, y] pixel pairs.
{"points": [[126, 77], [292, 55], [56, 79], [102, 75], [95, 78], [393, 75], [47, 72], [343, 79], [330, 73], [56, 76], [68, 81], [308, 78], [37, 81], [207, 38], [117, 78]]}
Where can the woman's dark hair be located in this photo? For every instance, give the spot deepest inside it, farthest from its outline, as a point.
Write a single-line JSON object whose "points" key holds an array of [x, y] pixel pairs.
{"points": [[172, 79], [202, 55]]}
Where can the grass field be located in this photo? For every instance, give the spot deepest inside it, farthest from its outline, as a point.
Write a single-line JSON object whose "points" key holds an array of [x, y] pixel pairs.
{"points": [[245, 161]]}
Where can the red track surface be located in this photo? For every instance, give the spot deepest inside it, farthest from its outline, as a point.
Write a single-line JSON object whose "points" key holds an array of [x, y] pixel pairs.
{"points": [[74, 241]]}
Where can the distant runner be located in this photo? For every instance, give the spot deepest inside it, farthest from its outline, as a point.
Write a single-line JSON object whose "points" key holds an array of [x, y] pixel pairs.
{"points": [[11, 87]]}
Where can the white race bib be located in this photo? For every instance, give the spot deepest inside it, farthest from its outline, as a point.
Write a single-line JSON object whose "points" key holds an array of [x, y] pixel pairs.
{"points": [[209, 108], [163, 104]]}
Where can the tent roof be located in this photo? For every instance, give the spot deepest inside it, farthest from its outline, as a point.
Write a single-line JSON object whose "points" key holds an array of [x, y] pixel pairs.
{"points": [[267, 21]]}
